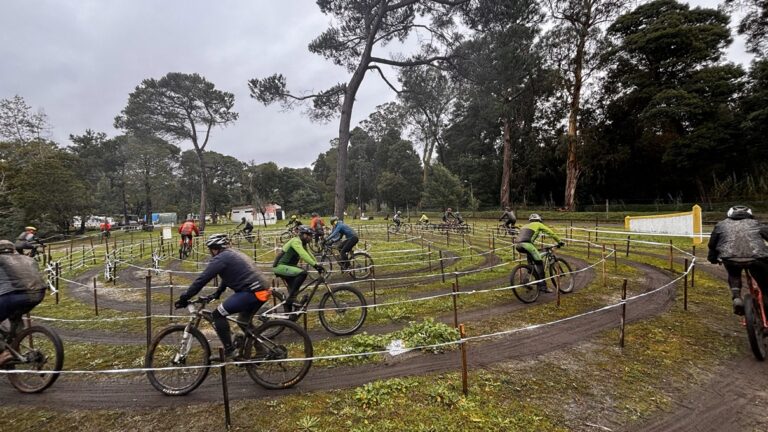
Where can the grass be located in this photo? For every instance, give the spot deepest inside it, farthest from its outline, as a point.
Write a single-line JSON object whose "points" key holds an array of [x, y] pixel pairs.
{"points": [[593, 383]]}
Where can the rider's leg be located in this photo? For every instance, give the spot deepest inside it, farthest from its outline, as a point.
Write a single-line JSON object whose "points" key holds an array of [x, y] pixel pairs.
{"points": [[345, 248], [734, 282], [294, 277], [538, 264], [238, 303]]}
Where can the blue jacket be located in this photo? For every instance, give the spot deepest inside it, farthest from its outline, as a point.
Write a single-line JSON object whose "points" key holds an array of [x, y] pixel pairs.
{"points": [[236, 270], [341, 230]]}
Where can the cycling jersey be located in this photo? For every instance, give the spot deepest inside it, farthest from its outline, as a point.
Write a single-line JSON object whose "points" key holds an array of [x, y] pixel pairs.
{"points": [[293, 250], [188, 228], [236, 270], [316, 223], [530, 232], [341, 230]]}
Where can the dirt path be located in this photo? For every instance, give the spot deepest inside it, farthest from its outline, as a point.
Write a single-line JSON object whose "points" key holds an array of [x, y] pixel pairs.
{"points": [[120, 391]]}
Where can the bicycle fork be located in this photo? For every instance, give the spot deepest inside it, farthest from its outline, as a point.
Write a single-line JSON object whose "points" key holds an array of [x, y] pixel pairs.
{"points": [[184, 346]]}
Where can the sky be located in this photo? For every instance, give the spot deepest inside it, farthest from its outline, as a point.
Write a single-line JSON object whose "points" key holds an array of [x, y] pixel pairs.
{"points": [[78, 60]]}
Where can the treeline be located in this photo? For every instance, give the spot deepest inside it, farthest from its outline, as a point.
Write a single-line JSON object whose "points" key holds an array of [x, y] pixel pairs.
{"points": [[555, 103]]}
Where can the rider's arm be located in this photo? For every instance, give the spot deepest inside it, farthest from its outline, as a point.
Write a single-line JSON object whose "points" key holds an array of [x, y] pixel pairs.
{"points": [[548, 231], [296, 244], [336, 232], [214, 267], [714, 239]]}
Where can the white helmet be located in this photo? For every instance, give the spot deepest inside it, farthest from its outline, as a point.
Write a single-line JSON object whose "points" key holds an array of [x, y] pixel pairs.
{"points": [[534, 217], [217, 241]]}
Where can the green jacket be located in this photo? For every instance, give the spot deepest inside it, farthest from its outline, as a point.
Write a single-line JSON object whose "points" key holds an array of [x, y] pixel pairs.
{"points": [[293, 250], [530, 232]]}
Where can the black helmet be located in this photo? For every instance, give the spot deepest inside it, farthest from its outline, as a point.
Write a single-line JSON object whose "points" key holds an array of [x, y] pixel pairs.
{"points": [[6, 247], [334, 219], [243, 219], [304, 229], [534, 217], [217, 241], [739, 212]]}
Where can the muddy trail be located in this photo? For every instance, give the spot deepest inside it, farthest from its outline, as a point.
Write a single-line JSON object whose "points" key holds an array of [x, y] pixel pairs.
{"points": [[116, 391]]}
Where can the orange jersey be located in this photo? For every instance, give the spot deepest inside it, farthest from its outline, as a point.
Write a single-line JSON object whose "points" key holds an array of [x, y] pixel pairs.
{"points": [[188, 228]]}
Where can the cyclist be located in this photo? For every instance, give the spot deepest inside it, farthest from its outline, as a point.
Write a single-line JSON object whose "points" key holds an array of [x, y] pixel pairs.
{"points": [[509, 218], [318, 226], [293, 223], [28, 240], [105, 228], [248, 228], [396, 219], [340, 229], [739, 242], [459, 219], [448, 216], [285, 264], [525, 244], [21, 288], [238, 272], [187, 229]]}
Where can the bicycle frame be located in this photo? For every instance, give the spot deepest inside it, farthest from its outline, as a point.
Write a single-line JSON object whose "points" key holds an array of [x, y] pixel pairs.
{"points": [[757, 293], [314, 284]]}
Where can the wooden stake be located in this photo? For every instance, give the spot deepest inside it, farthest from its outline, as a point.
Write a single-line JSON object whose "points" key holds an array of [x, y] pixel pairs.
{"points": [[95, 298], [685, 286], [225, 390], [464, 370], [148, 302], [623, 313]]}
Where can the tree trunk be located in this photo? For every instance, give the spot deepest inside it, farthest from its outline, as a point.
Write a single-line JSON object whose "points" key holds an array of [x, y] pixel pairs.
{"points": [[148, 199], [203, 188], [506, 171], [572, 166]]}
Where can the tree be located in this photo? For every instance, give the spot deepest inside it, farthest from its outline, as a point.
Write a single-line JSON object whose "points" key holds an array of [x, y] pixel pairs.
{"points": [[19, 123], [443, 189], [362, 26], [179, 107], [574, 47], [754, 24], [262, 186], [150, 165], [400, 173]]}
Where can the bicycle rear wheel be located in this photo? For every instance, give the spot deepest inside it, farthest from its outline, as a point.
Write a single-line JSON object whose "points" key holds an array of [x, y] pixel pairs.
{"points": [[186, 361], [280, 361], [360, 265], [755, 329], [43, 354], [346, 310], [562, 275], [520, 279]]}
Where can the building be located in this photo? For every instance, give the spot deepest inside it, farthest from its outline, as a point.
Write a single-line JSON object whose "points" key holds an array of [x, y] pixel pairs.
{"points": [[272, 214]]}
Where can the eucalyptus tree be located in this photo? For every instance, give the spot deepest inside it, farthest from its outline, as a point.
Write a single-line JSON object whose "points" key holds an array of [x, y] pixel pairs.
{"points": [[151, 162], [261, 183], [501, 69], [574, 46], [753, 24], [179, 107], [19, 123], [360, 27]]}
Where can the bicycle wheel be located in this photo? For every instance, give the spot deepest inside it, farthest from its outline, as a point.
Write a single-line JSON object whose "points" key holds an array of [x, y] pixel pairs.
{"points": [[392, 228], [755, 330], [43, 354], [562, 275], [328, 262], [169, 350], [520, 279], [361, 265], [345, 312], [284, 237], [278, 358]]}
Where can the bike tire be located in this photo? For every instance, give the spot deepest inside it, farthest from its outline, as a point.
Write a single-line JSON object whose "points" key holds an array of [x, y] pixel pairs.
{"points": [[162, 353], [392, 229], [44, 353], [291, 341], [522, 275], [361, 265], [284, 237], [755, 330], [562, 275], [328, 262], [346, 311], [277, 298]]}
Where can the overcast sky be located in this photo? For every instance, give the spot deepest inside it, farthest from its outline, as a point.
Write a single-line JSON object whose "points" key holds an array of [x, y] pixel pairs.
{"points": [[79, 59]]}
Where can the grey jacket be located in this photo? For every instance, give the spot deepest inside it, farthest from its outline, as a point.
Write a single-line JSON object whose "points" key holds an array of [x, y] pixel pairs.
{"points": [[738, 239], [20, 273]]}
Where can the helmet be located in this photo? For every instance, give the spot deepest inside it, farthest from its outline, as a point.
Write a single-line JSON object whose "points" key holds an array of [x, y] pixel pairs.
{"points": [[314, 214], [334, 219], [30, 228], [294, 217], [534, 217], [304, 229], [217, 241], [399, 212], [448, 209], [6, 247], [242, 218], [506, 208], [739, 212]]}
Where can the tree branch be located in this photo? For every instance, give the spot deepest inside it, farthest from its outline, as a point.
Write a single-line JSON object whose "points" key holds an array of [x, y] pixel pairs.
{"points": [[427, 61], [385, 78]]}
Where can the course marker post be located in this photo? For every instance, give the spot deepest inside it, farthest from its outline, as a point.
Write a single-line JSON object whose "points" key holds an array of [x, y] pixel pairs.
{"points": [[148, 302], [671, 256], [693, 267], [442, 266], [685, 286], [464, 371], [225, 390], [95, 299], [623, 313]]}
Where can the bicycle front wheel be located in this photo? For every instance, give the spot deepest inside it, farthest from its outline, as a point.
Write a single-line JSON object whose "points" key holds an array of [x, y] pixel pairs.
{"points": [[183, 357], [343, 311], [284, 237], [562, 275], [360, 265], [43, 357], [755, 330], [279, 361], [520, 279], [393, 228]]}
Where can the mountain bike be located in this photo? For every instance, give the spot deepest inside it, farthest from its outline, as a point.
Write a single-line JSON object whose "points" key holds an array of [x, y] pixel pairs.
{"points": [[357, 267], [503, 229], [289, 234], [523, 278], [342, 309], [454, 225], [248, 236], [316, 244], [36, 349], [276, 353], [185, 247], [403, 227], [755, 319]]}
